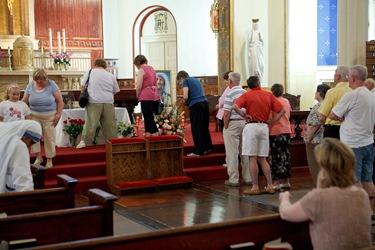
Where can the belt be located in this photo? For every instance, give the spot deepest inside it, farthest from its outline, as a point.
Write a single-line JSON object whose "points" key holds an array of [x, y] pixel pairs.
{"points": [[331, 125], [257, 122]]}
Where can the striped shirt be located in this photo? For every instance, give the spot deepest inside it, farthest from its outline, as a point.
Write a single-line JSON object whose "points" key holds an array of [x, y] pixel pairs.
{"points": [[230, 99]]}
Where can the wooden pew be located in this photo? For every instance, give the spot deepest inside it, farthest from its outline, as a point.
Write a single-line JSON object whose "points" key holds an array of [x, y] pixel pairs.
{"points": [[258, 230], [95, 220], [40, 200], [38, 172]]}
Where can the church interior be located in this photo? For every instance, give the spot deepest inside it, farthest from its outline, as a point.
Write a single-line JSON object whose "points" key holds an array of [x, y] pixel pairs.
{"points": [[189, 207]]}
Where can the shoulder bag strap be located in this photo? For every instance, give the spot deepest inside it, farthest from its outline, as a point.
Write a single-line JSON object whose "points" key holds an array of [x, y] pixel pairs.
{"points": [[88, 79]]}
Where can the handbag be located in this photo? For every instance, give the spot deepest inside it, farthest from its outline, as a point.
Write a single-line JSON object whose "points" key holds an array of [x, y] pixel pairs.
{"points": [[83, 98]]}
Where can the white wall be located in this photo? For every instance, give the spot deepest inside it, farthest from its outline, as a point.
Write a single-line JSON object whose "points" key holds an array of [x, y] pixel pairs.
{"points": [[196, 44]]}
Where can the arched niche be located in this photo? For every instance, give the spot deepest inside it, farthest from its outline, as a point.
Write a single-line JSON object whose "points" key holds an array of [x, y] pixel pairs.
{"points": [[156, 38]]}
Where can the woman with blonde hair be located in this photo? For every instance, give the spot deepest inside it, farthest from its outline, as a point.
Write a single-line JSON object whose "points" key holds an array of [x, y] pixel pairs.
{"points": [[338, 210], [46, 105]]}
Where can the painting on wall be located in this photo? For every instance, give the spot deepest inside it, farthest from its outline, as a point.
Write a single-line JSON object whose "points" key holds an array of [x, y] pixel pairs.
{"points": [[163, 83]]}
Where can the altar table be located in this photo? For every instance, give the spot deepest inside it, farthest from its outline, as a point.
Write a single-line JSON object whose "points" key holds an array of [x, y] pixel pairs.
{"points": [[62, 138]]}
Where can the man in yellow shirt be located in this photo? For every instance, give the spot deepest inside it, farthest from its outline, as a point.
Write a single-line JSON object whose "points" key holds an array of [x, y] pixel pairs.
{"points": [[333, 96]]}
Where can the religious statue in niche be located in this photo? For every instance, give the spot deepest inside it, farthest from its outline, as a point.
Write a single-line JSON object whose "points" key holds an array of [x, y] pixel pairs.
{"points": [[75, 84], [255, 51], [161, 24], [64, 83]]}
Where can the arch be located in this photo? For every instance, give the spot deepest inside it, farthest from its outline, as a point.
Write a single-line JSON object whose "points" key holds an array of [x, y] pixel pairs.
{"points": [[138, 26]]}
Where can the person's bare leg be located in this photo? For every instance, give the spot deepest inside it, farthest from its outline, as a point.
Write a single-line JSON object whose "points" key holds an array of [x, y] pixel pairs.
{"points": [[254, 171], [266, 170]]}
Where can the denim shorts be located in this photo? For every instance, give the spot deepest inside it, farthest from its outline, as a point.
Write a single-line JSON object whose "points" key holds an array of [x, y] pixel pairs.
{"points": [[364, 157]]}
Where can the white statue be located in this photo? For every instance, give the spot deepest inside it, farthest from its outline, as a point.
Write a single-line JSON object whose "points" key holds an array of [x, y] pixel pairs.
{"points": [[255, 51], [75, 84]]}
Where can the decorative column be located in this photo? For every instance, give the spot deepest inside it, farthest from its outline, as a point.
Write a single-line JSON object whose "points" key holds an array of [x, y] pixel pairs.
{"points": [[224, 41]]}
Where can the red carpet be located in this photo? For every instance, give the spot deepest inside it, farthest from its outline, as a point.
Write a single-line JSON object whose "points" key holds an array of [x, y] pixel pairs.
{"points": [[88, 165]]}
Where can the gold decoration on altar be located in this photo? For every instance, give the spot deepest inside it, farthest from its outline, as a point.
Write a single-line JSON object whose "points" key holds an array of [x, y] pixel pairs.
{"points": [[23, 54]]}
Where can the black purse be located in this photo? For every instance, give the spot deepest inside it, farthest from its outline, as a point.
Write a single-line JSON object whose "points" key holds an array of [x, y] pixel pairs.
{"points": [[83, 98]]}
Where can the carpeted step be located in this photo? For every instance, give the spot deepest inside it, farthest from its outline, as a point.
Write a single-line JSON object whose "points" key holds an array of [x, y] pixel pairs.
{"points": [[210, 159], [216, 148], [208, 173], [84, 183], [77, 170]]}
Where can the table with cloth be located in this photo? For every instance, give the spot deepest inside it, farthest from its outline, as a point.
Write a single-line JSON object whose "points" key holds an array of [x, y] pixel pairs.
{"points": [[62, 138]]}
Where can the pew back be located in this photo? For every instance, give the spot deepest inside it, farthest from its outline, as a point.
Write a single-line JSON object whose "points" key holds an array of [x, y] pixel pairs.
{"points": [[63, 225], [258, 230], [40, 200]]}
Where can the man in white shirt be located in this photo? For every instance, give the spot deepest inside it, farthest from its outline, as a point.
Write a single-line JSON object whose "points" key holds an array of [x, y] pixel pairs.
{"points": [[356, 110]]}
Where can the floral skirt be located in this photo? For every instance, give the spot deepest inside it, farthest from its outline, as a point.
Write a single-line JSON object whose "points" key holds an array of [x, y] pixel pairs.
{"points": [[280, 156]]}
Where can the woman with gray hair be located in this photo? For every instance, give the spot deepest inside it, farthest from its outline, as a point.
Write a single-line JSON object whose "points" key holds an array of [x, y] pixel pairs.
{"points": [[46, 105], [100, 110]]}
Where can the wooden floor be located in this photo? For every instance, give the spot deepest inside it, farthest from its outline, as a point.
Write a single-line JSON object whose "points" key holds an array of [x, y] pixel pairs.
{"points": [[206, 202]]}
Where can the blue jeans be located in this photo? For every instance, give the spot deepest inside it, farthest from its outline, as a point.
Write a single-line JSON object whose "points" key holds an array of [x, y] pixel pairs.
{"points": [[364, 157]]}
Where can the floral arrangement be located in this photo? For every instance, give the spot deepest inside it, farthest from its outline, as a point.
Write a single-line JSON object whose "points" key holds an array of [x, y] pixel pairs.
{"points": [[57, 58], [171, 121], [63, 58], [73, 127], [125, 128], [66, 57]]}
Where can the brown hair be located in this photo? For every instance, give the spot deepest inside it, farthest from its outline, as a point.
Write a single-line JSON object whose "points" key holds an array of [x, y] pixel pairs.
{"points": [[9, 88], [100, 63], [277, 89], [226, 75], [139, 60], [337, 163]]}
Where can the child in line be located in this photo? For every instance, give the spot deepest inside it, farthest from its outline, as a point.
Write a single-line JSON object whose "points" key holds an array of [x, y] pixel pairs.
{"points": [[12, 109]]}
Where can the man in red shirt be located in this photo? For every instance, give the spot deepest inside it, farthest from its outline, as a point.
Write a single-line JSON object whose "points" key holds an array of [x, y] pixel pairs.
{"points": [[258, 104]]}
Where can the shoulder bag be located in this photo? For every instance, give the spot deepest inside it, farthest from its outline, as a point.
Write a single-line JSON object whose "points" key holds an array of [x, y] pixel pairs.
{"points": [[83, 98]]}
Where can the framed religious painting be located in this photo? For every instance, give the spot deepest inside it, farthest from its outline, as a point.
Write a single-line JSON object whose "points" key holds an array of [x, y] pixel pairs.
{"points": [[163, 83]]}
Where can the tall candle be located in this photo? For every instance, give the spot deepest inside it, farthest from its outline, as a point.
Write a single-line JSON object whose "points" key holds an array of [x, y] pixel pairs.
{"points": [[50, 40], [8, 50], [58, 42], [63, 40], [42, 51]]}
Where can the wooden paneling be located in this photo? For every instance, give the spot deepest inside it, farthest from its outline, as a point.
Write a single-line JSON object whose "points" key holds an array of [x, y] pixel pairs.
{"points": [[82, 21]]}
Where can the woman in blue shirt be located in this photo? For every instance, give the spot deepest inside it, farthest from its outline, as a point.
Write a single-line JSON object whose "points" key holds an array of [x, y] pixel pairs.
{"points": [[46, 105]]}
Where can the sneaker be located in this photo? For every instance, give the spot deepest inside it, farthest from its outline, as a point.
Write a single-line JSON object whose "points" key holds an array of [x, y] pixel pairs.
{"points": [[191, 154], [232, 184], [81, 144], [38, 161], [254, 191], [285, 186], [49, 165]]}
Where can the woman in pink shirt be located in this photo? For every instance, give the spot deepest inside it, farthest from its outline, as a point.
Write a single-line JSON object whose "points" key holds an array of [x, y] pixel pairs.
{"points": [[147, 93], [280, 143]]}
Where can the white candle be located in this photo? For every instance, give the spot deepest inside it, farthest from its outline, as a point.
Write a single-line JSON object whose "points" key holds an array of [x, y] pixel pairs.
{"points": [[50, 40], [42, 51], [63, 40], [8, 50], [58, 42]]}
